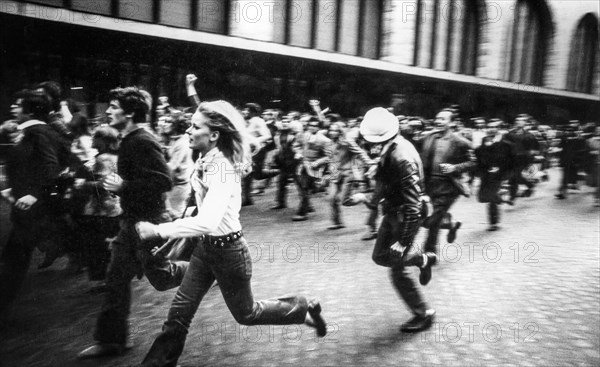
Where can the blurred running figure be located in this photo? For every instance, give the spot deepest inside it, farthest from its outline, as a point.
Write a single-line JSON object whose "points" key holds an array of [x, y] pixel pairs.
{"points": [[399, 182], [33, 167], [219, 134], [314, 153], [260, 136], [525, 147], [495, 159], [285, 158], [446, 155], [179, 161], [343, 153]]}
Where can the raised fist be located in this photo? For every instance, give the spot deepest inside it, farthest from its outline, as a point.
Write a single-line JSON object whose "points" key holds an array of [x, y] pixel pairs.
{"points": [[190, 79]]}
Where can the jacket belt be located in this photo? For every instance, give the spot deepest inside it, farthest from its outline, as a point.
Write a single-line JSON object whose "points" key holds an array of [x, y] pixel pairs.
{"points": [[223, 241]]}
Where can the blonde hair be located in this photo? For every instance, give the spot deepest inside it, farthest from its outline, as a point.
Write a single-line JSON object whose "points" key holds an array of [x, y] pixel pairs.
{"points": [[234, 139]]}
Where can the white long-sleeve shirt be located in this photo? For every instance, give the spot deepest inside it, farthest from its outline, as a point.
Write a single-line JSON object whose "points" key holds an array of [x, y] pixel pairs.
{"points": [[218, 190]]}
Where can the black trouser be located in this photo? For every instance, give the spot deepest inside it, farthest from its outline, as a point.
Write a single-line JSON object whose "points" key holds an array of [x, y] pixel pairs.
{"points": [[569, 177], [284, 177], [29, 228], [131, 257], [246, 189], [489, 193], [439, 219], [516, 179], [305, 185], [493, 213], [406, 287], [258, 173], [92, 234]]}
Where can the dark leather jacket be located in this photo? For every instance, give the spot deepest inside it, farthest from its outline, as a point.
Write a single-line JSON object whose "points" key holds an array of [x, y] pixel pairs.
{"points": [[400, 185], [399, 177]]}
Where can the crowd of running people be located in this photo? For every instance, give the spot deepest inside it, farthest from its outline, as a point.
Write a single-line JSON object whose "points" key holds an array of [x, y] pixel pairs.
{"points": [[108, 193]]}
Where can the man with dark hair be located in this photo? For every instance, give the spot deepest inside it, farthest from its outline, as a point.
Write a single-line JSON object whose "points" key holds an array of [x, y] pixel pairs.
{"points": [[131, 101], [55, 118], [525, 147], [445, 155], [571, 157], [494, 162], [33, 166], [142, 181], [284, 158]]}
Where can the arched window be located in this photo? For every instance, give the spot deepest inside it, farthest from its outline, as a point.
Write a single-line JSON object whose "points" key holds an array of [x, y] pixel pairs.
{"points": [[529, 40], [447, 35], [584, 53]]}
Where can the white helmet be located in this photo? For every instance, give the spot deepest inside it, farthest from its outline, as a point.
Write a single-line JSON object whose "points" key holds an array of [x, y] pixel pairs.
{"points": [[379, 125]]}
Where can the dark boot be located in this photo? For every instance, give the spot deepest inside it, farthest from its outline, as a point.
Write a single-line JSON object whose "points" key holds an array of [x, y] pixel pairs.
{"points": [[167, 347], [452, 232], [419, 323]]}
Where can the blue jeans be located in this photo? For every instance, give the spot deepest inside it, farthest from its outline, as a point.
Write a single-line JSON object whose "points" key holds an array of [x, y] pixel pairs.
{"points": [[231, 267]]}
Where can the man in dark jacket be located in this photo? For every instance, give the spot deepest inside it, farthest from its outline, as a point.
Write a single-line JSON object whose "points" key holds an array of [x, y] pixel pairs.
{"points": [[33, 166], [495, 160], [445, 155], [285, 159], [572, 156], [525, 147], [63, 221], [399, 184], [142, 181]]}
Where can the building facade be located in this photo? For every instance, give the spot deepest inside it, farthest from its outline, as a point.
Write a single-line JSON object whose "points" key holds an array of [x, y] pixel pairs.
{"points": [[494, 58], [551, 44]]}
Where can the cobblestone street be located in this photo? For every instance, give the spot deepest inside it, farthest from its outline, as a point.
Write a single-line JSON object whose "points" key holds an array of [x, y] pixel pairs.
{"points": [[526, 295]]}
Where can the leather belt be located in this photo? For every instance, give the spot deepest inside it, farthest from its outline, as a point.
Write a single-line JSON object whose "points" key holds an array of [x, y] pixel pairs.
{"points": [[223, 241]]}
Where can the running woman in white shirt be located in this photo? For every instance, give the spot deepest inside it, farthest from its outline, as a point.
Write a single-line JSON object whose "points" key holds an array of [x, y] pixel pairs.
{"points": [[218, 132]]}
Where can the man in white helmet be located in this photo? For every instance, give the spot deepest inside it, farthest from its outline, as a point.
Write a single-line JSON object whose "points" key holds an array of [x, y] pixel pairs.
{"points": [[399, 177]]}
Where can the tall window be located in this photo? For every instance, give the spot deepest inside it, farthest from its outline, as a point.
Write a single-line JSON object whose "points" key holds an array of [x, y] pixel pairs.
{"points": [[259, 20], [584, 53], [529, 39], [465, 60], [447, 34], [351, 27]]}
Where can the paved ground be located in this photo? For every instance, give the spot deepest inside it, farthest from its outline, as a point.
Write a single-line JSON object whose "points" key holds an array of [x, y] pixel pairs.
{"points": [[527, 295]]}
